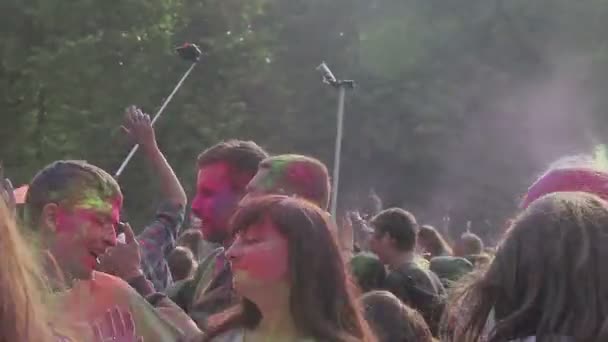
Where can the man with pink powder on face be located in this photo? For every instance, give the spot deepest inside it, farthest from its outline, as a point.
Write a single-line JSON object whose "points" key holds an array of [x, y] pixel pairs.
{"points": [[75, 208], [223, 172]]}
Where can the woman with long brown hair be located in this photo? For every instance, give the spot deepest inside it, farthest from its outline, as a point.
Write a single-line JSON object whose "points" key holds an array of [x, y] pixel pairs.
{"points": [[432, 242], [291, 277], [548, 280]]}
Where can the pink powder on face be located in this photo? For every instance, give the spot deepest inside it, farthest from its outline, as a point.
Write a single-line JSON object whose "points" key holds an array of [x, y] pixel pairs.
{"points": [[215, 201], [260, 254], [82, 234]]}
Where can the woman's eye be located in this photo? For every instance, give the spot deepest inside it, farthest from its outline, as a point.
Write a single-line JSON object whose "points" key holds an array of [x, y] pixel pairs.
{"points": [[251, 241]]}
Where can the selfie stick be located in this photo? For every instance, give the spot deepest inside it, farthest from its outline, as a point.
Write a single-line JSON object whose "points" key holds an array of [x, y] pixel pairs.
{"points": [[189, 52]]}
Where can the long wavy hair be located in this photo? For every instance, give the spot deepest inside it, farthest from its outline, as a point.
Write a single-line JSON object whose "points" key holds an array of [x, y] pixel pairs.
{"points": [[23, 316], [548, 278], [322, 296], [433, 241]]}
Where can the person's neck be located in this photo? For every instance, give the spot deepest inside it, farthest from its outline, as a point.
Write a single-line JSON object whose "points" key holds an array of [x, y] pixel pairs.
{"points": [[400, 258], [58, 276], [58, 279], [277, 322]]}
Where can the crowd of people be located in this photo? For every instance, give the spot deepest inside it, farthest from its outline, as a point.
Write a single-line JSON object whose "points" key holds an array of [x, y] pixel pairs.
{"points": [[263, 260]]}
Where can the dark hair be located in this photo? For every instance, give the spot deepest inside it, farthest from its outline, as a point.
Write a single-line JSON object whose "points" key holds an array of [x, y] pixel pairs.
{"points": [[394, 321], [243, 157], [192, 239], [547, 277], [369, 271], [64, 182], [181, 263], [471, 244], [434, 241], [305, 176], [322, 296], [399, 224]]}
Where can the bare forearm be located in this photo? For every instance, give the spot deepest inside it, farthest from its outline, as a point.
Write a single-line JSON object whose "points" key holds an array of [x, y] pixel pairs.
{"points": [[170, 185]]}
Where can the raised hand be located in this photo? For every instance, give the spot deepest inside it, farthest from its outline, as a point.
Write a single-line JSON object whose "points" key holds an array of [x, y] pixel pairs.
{"points": [[138, 126], [123, 260]]}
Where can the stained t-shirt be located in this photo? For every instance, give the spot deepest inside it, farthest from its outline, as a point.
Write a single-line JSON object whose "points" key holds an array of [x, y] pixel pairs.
{"points": [[88, 301]]}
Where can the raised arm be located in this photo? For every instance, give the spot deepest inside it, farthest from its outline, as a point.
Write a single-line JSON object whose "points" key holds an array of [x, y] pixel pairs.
{"points": [[139, 126], [158, 237]]}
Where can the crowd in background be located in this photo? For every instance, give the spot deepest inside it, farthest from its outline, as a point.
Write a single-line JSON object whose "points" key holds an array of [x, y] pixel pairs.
{"points": [[263, 260]]}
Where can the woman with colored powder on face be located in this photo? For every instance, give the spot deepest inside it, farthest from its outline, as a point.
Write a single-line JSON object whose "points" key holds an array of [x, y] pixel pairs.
{"points": [[291, 277]]}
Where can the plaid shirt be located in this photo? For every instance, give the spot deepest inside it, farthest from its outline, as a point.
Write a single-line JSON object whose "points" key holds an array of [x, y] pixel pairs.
{"points": [[156, 242]]}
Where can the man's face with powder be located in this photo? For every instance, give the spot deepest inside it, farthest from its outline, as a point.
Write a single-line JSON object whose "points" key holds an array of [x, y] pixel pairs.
{"points": [[83, 231]]}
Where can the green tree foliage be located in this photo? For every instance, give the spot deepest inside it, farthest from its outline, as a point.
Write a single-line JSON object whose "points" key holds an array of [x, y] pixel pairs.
{"points": [[459, 104]]}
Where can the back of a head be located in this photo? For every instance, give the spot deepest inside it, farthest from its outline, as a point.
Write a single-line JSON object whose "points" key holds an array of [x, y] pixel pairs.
{"points": [[399, 224], [192, 239], [569, 179], [548, 276], [368, 271], [243, 158], [450, 269], [392, 320], [433, 241], [470, 244], [66, 182], [293, 174], [181, 263]]}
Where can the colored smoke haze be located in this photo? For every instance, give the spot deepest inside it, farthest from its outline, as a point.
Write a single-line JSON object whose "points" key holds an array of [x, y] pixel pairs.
{"points": [[520, 125]]}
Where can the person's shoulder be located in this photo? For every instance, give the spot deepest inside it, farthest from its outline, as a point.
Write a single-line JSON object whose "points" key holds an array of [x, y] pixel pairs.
{"points": [[105, 279], [108, 282], [413, 274]]}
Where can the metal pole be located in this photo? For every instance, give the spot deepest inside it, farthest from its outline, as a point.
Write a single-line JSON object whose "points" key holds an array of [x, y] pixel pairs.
{"points": [[160, 111], [338, 151]]}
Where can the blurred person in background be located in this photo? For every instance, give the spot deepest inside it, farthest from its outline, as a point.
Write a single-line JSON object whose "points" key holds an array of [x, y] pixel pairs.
{"points": [[394, 242], [431, 243]]}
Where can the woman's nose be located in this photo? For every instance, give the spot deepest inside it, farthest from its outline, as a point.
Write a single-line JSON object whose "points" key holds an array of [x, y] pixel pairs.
{"points": [[234, 251]]}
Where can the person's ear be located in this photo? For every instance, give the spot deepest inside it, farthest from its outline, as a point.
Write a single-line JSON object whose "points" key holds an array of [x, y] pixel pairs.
{"points": [[48, 217]]}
